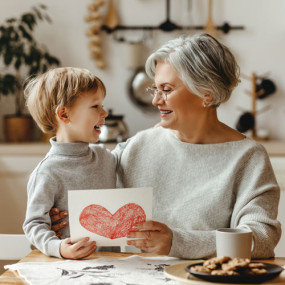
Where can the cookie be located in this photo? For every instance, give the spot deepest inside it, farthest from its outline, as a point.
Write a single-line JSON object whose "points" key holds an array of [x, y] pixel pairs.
{"points": [[200, 268], [258, 270], [215, 262], [226, 266], [235, 264], [224, 272], [256, 265]]}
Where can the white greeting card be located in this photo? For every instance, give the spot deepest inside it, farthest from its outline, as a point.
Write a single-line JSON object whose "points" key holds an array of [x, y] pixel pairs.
{"points": [[107, 215]]}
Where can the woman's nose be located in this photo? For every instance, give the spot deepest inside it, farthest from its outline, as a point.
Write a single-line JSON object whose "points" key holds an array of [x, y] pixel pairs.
{"points": [[157, 99]]}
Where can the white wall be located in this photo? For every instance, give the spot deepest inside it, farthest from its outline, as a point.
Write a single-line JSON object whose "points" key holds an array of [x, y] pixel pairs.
{"points": [[259, 48]]}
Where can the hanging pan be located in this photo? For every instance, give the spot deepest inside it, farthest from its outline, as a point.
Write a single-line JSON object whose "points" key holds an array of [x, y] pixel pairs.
{"points": [[137, 90]]}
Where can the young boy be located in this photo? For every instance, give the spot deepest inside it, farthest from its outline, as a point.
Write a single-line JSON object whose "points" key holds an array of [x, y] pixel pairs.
{"points": [[67, 102]]}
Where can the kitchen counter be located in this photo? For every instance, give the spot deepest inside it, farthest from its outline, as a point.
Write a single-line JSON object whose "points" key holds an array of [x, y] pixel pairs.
{"points": [[274, 148]]}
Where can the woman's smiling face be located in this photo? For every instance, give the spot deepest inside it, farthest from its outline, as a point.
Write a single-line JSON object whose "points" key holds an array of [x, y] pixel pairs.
{"points": [[181, 106]]}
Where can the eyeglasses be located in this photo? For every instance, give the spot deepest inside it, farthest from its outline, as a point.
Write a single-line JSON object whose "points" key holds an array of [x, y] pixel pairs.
{"points": [[154, 91]]}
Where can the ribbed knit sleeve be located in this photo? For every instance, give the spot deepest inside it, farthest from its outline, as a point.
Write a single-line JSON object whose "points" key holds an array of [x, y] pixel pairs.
{"points": [[37, 226], [256, 205]]}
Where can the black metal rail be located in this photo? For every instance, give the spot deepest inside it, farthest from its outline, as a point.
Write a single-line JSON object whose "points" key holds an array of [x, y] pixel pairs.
{"points": [[169, 26]]}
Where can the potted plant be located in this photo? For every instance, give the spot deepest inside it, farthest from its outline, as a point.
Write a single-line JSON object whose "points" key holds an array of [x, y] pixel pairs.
{"points": [[22, 57]]}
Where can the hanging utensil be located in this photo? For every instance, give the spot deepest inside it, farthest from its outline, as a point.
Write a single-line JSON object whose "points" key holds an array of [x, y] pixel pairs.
{"points": [[210, 28], [137, 90], [114, 129], [246, 122], [168, 25], [111, 20], [265, 88]]}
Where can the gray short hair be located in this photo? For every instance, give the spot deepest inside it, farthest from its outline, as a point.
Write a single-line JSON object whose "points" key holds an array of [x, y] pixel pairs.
{"points": [[205, 66]]}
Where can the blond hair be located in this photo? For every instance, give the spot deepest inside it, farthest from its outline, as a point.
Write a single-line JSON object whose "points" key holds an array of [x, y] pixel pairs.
{"points": [[58, 87]]}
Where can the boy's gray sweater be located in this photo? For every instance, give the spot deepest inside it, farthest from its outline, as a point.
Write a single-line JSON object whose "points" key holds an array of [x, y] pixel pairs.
{"points": [[67, 166]]}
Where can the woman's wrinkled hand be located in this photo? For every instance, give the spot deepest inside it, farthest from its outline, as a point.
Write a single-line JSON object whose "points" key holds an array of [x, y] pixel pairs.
{"points": [[151, 236], [55, 217]]}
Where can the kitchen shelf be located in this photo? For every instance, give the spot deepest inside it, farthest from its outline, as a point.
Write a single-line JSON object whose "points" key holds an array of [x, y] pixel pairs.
{"points": [[169, 26], [33, 148]]}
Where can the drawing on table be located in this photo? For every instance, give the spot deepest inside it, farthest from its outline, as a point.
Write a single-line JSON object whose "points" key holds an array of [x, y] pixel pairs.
{"points": [[99, 220], [135, 270]]}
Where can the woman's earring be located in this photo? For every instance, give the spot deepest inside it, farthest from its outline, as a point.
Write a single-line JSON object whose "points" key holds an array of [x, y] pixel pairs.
{"points": [[207, 100], [205, 104]]}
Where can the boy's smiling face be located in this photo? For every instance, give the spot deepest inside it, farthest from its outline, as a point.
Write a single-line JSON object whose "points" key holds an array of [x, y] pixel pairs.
{"points": [[83, 119]]}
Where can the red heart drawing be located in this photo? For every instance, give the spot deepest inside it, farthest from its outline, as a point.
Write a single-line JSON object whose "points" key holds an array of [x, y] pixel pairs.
{"points": [[98, 220]]}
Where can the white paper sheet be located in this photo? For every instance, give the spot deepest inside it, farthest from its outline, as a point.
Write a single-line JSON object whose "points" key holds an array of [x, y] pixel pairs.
{"points": [[107, 215], [134, 270]]}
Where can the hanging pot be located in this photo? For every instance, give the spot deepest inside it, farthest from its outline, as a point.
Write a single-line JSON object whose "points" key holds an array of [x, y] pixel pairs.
{"points": [[18, 128], [114, 129], [246, 122], [137, 90], [265, 88]]}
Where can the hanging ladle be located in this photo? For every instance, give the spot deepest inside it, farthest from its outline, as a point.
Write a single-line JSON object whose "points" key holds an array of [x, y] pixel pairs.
{"points": [[111, 20]]}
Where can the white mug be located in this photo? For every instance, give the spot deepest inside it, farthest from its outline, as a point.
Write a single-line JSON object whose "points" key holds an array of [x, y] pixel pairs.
{"points": [[234, 242]]}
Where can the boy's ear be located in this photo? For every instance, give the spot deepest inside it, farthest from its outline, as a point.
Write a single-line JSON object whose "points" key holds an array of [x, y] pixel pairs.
{"points": [[62, 114]]}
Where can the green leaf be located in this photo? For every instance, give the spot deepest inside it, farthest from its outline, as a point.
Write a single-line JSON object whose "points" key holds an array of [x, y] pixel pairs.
{"points": [[42, 6], [48, 18], [14, 36], [38, 13], [8, 58], [51, 59], [11, 20], [18, 63], [19, 50], [34, 69], [29, 19], [5, 90], [35, 53], [54, 61], [25, 33], [9, 84]]}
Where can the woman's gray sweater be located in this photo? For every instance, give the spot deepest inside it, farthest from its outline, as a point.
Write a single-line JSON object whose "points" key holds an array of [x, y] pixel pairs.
{"points": [[199, 188]]}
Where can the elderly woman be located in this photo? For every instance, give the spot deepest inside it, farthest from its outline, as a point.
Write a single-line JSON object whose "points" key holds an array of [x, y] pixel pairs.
{"points": [[205, 175]]}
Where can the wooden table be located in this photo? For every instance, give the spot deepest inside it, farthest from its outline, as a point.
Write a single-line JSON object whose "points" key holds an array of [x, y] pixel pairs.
{"points": [[11, 277]]}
